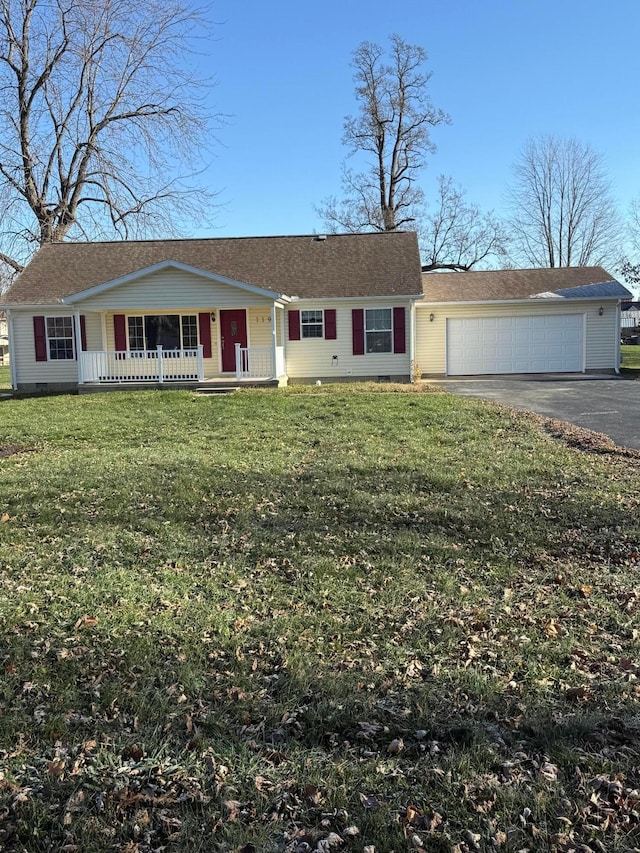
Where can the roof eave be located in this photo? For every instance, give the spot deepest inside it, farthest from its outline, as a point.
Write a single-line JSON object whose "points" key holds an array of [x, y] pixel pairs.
{"points": [[523, 300]]}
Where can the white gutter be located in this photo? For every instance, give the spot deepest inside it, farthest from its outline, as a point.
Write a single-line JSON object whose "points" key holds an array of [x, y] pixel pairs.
{"points": [[392, 297], [529, 300]]}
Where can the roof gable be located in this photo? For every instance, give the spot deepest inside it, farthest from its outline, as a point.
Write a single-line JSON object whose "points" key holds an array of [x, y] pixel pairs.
{"points": [[170, 264], [308, 267]]}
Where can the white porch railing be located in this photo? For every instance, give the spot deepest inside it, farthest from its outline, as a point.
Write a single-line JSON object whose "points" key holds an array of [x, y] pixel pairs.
{"points": [[141, 366], [257, 362]]}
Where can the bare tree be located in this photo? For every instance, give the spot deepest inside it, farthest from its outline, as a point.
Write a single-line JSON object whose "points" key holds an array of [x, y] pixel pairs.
{"points": [[563, 213], [99, 114], [629, 265], [392, 131], [458, 235], [392, 134]]}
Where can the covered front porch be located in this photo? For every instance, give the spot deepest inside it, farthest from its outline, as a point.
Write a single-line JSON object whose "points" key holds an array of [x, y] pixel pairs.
{"points": [[241, 345]]}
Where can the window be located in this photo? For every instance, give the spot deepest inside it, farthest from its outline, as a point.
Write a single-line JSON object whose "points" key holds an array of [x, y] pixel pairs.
{"points": [[190, 332], [378, 330], [60, 338], [312, 324], [136, 333], [169, 331]]}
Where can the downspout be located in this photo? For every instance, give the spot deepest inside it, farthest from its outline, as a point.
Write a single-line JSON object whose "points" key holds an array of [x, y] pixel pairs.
{"points": [[412, 340], [12, 359]]}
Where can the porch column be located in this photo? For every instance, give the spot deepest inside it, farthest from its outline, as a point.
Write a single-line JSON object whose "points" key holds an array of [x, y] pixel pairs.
{"points": [[78, 331], [274, 343]]}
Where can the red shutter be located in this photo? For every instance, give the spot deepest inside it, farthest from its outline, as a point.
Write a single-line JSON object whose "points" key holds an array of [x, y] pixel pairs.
{"points": [[294, 325], [120, 332], [204, 327], [330, 324], [40, 338], [399, 343], [83, 333], [357, 329]]}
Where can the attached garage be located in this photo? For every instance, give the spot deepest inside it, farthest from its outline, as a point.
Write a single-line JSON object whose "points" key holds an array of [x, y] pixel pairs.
{"points": [[515, 344], [518, 321]]}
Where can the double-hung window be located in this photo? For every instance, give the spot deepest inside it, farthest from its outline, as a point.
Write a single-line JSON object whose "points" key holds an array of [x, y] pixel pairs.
{"points": [[60, 342], [170, 331], [378, 330], [312, 324]]}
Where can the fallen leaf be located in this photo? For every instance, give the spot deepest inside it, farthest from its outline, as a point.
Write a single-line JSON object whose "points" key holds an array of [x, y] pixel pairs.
{"points": [[575, 693], [369, 801], [86, 622], [396, 746]]}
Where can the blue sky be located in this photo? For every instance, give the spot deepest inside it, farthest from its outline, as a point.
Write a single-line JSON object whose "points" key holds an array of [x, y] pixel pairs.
{"points": [[503, 69]]}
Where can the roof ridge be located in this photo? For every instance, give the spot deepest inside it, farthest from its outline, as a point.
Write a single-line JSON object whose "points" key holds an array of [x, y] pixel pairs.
{"points": [[212, 239]]}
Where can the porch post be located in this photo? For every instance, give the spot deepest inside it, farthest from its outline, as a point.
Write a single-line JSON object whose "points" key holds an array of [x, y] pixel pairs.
{"points": [[78, 342], [238, 361], [200, 363], [159, 351], [274, 343]]}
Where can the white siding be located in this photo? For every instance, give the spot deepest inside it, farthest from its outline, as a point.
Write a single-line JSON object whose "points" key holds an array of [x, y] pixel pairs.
{"points": [[172, 289], [312, 358], [28, 370], [602, 333], [258, 332]]}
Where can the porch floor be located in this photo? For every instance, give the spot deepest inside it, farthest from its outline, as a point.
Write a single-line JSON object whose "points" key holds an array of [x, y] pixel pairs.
{"points": [[218, 385]]}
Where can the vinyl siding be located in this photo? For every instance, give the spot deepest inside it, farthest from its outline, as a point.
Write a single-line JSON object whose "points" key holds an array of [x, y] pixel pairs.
{"points": [[258, 331], [602, 333], [28, 370], [172, 289], [312, 358]]}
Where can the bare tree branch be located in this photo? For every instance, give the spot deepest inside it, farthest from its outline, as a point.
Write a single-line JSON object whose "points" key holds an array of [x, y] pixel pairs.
{"points": [[562, 210], [393, 125], [98, 95], [457, 235]]}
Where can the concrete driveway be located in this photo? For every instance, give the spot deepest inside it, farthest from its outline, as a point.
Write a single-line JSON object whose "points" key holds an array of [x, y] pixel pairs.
{"points": [[603, 403]]}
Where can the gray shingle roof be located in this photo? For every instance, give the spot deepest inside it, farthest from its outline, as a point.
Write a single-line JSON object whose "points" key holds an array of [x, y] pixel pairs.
{"points": [[304, 266], [567, 282]]}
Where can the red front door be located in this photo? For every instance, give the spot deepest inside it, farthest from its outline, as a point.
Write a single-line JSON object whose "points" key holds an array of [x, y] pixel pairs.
{"points": [[233, 330]]}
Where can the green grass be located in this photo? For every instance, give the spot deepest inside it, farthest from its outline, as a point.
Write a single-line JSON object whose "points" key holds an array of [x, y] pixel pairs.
{"points": [[247, 622], [630, 358]]}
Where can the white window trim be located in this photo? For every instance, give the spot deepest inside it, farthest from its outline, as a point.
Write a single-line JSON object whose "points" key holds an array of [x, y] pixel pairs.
{"points": [[315, 323], [174, 314], [73, 337], [379, 308]]}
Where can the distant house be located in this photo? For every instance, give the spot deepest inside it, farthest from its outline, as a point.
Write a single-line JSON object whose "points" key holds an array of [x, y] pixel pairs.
{"points": [[4, 339], [630, 315], [274, 310]]}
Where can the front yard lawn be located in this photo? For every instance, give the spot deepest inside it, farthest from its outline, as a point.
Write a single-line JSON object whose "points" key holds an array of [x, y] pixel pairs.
{"points": [[630, 358], [315, 620], [5, 377]]}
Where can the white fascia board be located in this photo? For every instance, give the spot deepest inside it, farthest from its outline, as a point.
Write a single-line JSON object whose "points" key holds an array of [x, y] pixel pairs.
{"points": [[209, 276], [33, 306], [414, 297], [529, 300]]}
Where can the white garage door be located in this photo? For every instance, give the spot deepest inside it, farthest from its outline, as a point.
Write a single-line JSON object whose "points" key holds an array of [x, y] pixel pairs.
{"points": [[537, 344]]}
